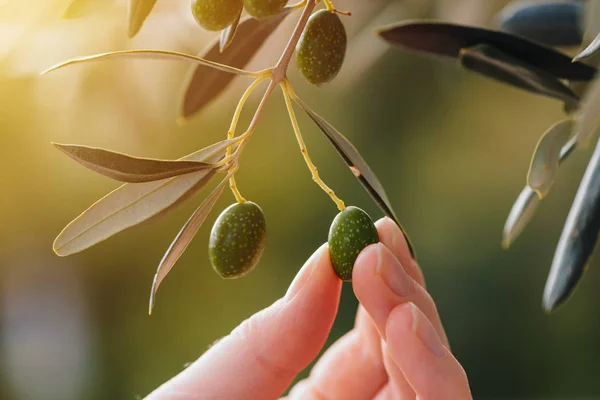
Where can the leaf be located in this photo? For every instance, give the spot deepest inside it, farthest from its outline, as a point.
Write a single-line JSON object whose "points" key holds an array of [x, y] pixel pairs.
{"points": [[149, 54], [590, 50], [527, 203], [357, 165], [125, 168], [494, 64], [550, 23], [131, 204], [589, 119], [578, 238], [183, 239], [138, 12], [203, 85], [546, 157], [444, 39], [521, 213], [228, 34]]}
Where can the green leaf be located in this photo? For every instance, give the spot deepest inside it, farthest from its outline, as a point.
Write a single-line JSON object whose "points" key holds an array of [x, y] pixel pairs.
{"points": [[494, 64], [228, 34], [183, 239], [590, 50], [203, 84], [134, 203], [138, 12], [125, 168], [447, 40], [357, 165], [589, 117], [527, 203], [546, 157], [578, 238]]}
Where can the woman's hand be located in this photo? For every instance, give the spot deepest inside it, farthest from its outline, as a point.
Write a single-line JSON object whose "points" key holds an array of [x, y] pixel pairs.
{"points": [[396, 350]]}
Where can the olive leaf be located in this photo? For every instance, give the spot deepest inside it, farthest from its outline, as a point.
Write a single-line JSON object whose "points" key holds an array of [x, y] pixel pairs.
{"points": [[357, 165], [134, 203], [183, 239], [138, 12], [493, 63], [125, 168], [149, 54], [527, 203], [589, 119], [550, 23], [202, 85], [447, 40], [545, 160], [578, 238], [590, 50], [228, 34]]}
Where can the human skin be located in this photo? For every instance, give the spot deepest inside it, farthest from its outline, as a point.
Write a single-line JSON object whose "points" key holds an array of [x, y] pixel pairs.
{"points": [[397, 349]]}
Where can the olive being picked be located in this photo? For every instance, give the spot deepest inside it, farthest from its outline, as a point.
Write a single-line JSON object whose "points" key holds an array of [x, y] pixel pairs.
{"points": [[260, 9], [351, 231], [215, 15], [237, 240], [322, 47]]}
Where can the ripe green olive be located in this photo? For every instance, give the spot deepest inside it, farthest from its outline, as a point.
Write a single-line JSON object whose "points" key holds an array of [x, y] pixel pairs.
{"points": [[322, 47], [215, 15], [260, 9], [237, 240], [351, 231]]}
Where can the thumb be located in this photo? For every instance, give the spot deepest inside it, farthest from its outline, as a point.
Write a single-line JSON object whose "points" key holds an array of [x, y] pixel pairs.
{"points": [[261, 357]]}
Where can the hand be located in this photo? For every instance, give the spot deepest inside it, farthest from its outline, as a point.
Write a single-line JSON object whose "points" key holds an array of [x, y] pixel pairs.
{"points": [[397, 349]]}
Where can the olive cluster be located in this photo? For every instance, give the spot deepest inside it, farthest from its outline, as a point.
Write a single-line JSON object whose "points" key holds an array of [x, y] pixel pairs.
{"points": [[215, 15]]}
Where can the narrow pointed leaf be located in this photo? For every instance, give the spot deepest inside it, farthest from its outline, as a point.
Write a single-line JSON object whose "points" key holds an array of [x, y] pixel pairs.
{"points": [[588, 122], [125, 168], [228, 34], [578, 238], [149, 54], [443, 39], [138, 12], [590, 50], [546, 157], [203, 84], [183, 239], [527, 203], [357, 165], [550, 23], [132, 204], [494, 64], [521, 213]]}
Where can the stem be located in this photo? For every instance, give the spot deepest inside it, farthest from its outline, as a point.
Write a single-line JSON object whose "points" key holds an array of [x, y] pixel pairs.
{"points": [[311, 166], [281, 67]]}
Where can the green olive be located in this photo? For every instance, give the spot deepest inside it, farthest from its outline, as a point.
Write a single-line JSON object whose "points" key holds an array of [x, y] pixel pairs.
{"points": [[351, 231], [215, 15], [260, 9], [237, 240], [322, 47]]}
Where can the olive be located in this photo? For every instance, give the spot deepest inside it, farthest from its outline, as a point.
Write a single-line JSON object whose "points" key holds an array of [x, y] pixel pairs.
{"points": [[260, 9], [351, 231], [322, 47], [237, 240], [215, 15]]}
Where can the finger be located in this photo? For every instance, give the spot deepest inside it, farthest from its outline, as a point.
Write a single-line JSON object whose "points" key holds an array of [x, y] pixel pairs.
{"points": [[391, 236], [380, 283], [336, 374], [397, 386], [261, 357], [425, 361]]}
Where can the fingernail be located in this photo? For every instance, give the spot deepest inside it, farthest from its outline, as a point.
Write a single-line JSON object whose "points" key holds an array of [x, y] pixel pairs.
{"points": [[305, 273], [392, 273], [425, 332]]}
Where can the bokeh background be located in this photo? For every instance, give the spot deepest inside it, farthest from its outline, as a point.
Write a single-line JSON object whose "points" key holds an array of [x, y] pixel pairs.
{"points": [[451, 148]]}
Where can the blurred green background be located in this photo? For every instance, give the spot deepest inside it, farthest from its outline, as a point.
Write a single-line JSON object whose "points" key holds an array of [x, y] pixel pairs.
{"points": [[451, 148]]}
